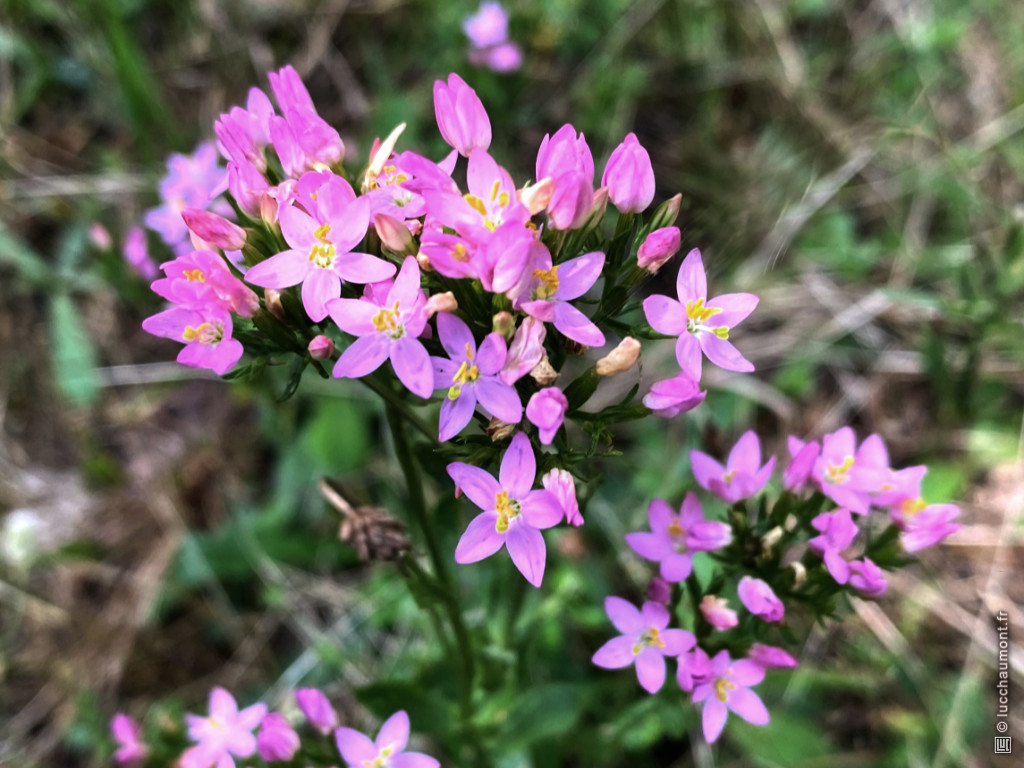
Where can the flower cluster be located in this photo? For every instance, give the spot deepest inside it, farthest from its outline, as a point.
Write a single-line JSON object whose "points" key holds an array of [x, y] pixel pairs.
{"points": [[490, 46], [798, 548], [474, 293], [227, 733]]}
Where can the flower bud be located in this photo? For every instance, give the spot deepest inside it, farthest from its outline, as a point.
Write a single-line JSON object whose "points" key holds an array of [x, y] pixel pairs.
{"points": [[214, 229], [571, 201], [629, 176], [546, 410], [277, 741], [537, 196], [394, 234], [717, 612], [659, 590], [461, 116], [799, 573], [269, 210], [758, 598], [317, 709], [321, 347], [620, 359], [99, 236], [769, 540], [504, 325], [665, 214], [272, 300], [424, 261], [561, 484], [441, 302], [543, 373], [498, 429], [671, 397], [770, 657], [597, 209], [658, 247]]}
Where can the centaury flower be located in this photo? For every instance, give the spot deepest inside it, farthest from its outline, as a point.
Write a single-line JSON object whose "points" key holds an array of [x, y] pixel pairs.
{"points": [[729, 689], [225, 732], [388, 751]]}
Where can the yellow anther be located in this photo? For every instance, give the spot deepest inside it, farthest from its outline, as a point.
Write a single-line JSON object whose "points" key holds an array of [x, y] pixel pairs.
{"points": [[469, 351], [204, 333], [507, 509], [911, 507], [475, 203], [841, 473], [729, 476], [389, 321], [454, 392], [494, 190], [548, 282], [322, 253], [194, 275], [698, 313], [503, 199], [322, 232], [459, 253], [722, 332], [652, 637], [466, 374], [722, 688], [675, 529]]}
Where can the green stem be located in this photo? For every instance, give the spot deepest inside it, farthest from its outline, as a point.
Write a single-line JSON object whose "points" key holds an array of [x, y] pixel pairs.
{"points": [[395, 403]]}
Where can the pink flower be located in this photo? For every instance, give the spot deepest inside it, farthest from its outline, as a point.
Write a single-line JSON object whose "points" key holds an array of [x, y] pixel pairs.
{"points": [[200, 280], [554, 286], [206, 334], [924, 525], [674, 537], [224, 733], [657, 248], [513, 514], [645, 641], [837, 533], [717, 612], [136, 253], [302, 139], [848, 474], [471, 375], [802, 458], [191, 182], [321, 254], [214, 230], [670, 397], [387, 329], [699, 322], [758, 598], [563, 488], [277, 740], [128, 735], [461, 116], [546, 410], [488, 26], [504, 57], [317, 709], [388, 751], [730, 690], [771, 657], [741, 477], [629, 176], [867, 578]]}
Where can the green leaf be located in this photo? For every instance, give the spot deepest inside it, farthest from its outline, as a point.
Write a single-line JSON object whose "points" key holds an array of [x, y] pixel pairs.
{"points": [[74, 357]]}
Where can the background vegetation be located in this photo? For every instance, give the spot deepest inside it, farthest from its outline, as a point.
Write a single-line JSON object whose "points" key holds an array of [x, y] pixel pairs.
{"points": [[860, 165]]}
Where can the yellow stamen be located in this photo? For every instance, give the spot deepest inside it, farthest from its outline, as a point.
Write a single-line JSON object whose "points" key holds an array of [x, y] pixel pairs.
{"points": [[322, 232], [205, 333], [194, 275], [389, 321], [651, 637], [910, 507], [839, 474], [548, 282], [675, 529], [729, 476], [722, 688], [507, 509], [494, 190], [698, 313], [475, 203]]}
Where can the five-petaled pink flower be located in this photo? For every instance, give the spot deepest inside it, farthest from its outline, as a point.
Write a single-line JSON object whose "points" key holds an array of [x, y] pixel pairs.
{"points": [[471, 375], [387, 751], [387, 329], [741, 477], [837, 533], [555, 285], [699, 321], [206, 334], [674, 537], [321, 254], [730, 689], [225, 732], [513, 514], [645, 641]]}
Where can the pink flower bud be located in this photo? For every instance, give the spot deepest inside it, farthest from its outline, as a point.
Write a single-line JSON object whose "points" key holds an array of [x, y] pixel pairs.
{"points": [[717, 612], [537, 196], [269, 209], [867, 578], [546, 410], [658, 247], [659, 590], [136, 253], [441, 302], [770, 657], [561, 484], [461, 116], [394, 234], [277, 741], [671, 397], [214, 230], [563, 152], [321, 347], [503, 324], [317, 709], [629, 176], [571, 201], [620, 359], [128, 735], [99, 236], [758, 598]]}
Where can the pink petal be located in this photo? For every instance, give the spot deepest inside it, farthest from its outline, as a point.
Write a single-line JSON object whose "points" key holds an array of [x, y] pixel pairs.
{"points": [[354, 746], [455, 415], [526, 548], [624, 615], [677, 641], [349, 221], [576, 326], [715, 714], [480, 539], [454, 335], [576, 276], [688, 355], [676, 567], [363, 356], [654, 615], [615, 654], [281, 271], [297, 227], [319, 287], [411, 362], [746, 454], [746, 673], [660, 516], [240, 743], [650, 670], [491, 356], [665, 315], [413, 760], [354, 316], [394, 733], [479, 486], [362, 268], [649, 545], [518, 467], [722, 353], [541, 509], [735, 308], [692, 282], [499, 399], [745, 703], [705, 469]]}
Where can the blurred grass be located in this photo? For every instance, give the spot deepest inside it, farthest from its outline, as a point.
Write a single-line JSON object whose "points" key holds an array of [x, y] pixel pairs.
{"points": [[859, 164]]}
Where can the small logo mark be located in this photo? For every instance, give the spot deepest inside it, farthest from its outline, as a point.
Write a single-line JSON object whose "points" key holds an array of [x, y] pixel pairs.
{"points": [[1003, 745]]}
